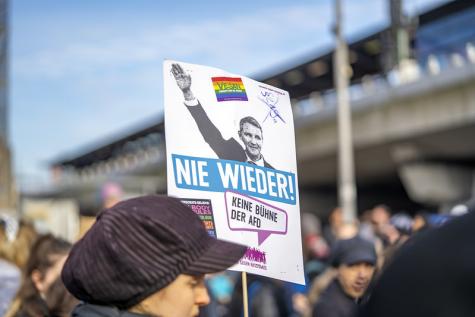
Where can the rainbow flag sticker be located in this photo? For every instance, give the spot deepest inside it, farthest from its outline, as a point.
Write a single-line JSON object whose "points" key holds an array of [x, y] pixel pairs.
{"points": [[229, 88]]}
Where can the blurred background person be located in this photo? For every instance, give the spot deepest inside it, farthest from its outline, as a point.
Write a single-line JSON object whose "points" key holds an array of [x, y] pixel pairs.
{"points": [[315, 248], [366, 230], [110, 193], [43, 268], [16, 239], [398, 231], [380, 216], [432, 275], [425, 220], [220, 289], [420, 222], [10, 274], [335, 221], [315, 255]]}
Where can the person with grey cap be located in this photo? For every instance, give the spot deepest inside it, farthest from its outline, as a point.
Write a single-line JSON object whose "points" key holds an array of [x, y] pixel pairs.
{"points": [[145, 256], [355, 261]]}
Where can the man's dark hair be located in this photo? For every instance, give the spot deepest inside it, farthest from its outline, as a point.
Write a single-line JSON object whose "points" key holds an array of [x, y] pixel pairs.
{"points": [[249, 120]]}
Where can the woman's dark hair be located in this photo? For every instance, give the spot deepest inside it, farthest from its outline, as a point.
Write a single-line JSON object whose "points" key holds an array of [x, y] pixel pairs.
{"points": [[43, 255], [59, 301]]}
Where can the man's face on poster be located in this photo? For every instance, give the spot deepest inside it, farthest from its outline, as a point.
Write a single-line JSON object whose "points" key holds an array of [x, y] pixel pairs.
{"points": [[251, 136]]}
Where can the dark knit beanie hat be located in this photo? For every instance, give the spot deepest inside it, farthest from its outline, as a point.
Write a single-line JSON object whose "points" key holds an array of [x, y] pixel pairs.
{"points": [[353, 251]]}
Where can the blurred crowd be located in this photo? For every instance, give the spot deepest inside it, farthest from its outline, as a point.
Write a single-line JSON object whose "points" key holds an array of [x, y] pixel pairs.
{"points": [[342, 261], [30, 266]]}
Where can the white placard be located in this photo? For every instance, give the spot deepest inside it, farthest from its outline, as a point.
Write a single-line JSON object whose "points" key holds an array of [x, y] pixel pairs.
{"points": [[231, 158]]}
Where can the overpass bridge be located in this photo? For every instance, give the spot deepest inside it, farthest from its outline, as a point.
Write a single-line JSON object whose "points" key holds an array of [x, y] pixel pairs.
{"points": [[414, 146]]}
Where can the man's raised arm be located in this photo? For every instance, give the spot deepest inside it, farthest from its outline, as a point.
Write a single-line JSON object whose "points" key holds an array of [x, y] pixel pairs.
{"points": [[224, 149]]}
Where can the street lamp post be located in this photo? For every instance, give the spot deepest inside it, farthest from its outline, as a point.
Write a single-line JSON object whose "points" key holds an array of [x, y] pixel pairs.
{"points": [[341, 69]]}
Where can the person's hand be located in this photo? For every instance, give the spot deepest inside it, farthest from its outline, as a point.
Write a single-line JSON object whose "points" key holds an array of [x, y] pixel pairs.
{"points": [[301, 304], [183, 80]]}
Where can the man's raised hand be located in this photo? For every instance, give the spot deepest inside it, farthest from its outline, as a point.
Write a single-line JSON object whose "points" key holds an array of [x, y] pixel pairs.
{"points": [[183, 80]]}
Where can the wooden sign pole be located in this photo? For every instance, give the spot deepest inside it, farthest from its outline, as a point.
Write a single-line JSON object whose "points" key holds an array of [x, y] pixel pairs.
{"points": [[244, 294]]}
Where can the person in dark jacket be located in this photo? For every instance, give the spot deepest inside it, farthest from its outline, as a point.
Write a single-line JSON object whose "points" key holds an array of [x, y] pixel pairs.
{"points": [[145, 256], [431, 275], [355, 260]]}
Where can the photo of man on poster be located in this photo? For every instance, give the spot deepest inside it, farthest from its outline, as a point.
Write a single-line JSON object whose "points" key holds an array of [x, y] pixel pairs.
{"points": [[250, 131]]}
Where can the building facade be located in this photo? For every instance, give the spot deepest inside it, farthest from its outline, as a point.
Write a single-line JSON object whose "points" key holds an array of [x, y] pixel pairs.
{"points": [[7, 193]]}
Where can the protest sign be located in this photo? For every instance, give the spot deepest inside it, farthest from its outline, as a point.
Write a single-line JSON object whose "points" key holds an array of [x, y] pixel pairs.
{"points": [[231, 158]]}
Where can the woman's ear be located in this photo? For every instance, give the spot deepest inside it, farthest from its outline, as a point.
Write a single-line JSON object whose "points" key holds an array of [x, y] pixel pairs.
{"points": [[37, 279]]}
